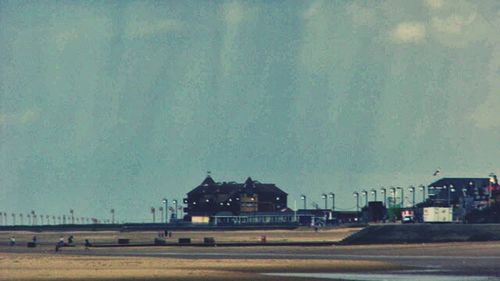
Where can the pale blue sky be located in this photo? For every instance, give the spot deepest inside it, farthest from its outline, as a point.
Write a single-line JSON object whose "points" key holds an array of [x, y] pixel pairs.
{"points": [[117, 104]]}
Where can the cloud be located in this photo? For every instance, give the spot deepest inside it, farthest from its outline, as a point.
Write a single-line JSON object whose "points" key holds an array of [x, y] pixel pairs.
{"points": [[487, 115], [145, 28], [233, 13], [409, 32], [360, 15], [453, 24], [25, 117], [313, 9], [434, 4], [63, 38]]}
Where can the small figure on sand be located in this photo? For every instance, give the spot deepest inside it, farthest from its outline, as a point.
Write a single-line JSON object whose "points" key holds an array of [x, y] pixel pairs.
{"points": [[60, 243], [87, 244], [33, 239], [70, 239], [12, 241]]}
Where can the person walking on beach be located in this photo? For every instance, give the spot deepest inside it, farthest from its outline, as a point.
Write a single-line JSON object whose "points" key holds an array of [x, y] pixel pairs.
{"points": [[59, 244], [12, 241], [87, 244]]}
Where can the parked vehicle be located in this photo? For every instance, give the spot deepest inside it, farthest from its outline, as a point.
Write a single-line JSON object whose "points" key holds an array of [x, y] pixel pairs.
{"points": [[407, 216]]}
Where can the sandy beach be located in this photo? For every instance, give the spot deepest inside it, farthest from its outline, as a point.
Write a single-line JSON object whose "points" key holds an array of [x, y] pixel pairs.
{"points": [[14, 266]]}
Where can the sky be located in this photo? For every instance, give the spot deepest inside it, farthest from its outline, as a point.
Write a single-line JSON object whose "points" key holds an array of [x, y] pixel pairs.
{"points": [[118, 104]]}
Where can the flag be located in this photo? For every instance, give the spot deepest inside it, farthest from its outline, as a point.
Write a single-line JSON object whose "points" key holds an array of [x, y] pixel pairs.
{"points": [[437, 172]]}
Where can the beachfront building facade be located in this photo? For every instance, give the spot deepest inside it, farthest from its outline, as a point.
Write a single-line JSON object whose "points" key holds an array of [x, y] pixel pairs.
{"points": [[226, 199]]}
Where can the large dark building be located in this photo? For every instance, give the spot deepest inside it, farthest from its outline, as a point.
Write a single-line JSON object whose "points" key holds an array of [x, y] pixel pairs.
{"points": [[233, 199], [477, 192]]}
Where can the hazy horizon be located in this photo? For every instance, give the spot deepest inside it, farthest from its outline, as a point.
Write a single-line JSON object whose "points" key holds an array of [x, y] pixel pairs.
{"points": [[117, 104]]}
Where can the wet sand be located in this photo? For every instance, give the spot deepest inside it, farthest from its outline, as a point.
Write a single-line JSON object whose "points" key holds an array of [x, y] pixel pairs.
{"points": [[466, 259], [15, 266]]}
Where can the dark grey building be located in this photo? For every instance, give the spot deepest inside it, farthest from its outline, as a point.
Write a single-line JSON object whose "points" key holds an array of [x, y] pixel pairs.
{"points": [[233, 199]]}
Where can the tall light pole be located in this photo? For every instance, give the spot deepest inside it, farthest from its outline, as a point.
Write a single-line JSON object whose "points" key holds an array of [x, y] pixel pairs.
{"points": [[13, 218], [374, 192], [113, 216], [175, 208], [383, 190], [332, 196], [422, 188], [393, 193], [153, 211], [365, 194], [450, 189], [33, 217], [165, 201], [160, 210], [402, 196], [412, 190], [72, 212], [304, 198], [356, 195], [325, 197], [21, 217], [1, 218]]}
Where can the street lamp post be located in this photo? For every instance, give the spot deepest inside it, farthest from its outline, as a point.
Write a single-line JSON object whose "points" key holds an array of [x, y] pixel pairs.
{"points": [[402, 196], [393, 193], [33, 221], [72, 212], [175, 208], [356, 195], [304, 198], [374, 192], [160, 210], [113, 216], [325, 197], [332, 195], [165, 201], [383, 190], [412, 190], [153, 212], [365, 194], [422, 188], [450, 189]]}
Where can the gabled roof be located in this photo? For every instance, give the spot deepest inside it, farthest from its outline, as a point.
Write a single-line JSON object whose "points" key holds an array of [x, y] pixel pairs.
{"points": [[209, 186], [461, 182], [208, 181]]}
